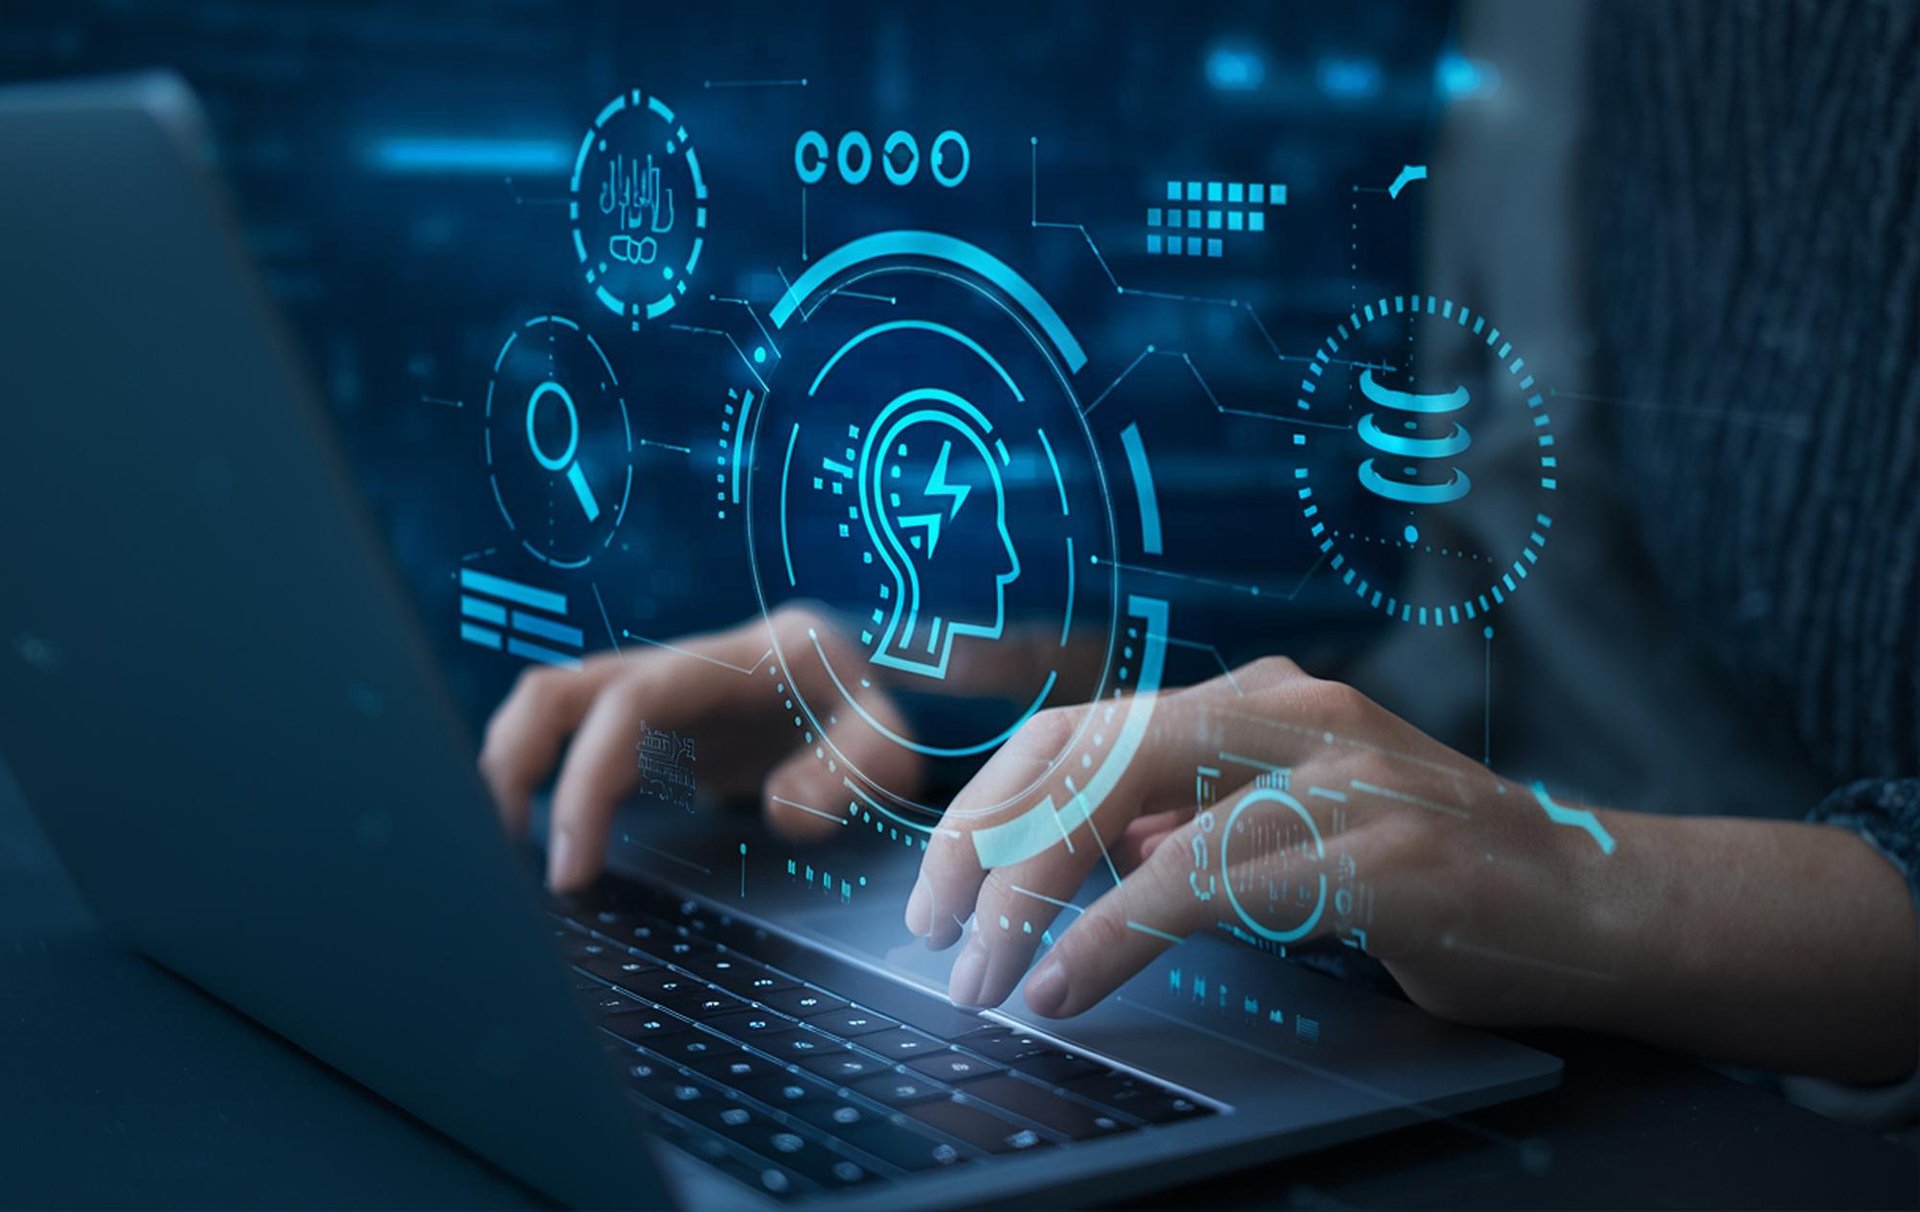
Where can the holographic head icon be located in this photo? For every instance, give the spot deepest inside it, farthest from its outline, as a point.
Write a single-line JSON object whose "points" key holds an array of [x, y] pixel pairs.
{"points": [[935, 507]]}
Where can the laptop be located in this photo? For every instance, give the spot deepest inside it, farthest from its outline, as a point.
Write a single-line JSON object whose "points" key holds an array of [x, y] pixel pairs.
{"points": [[218, 702]]}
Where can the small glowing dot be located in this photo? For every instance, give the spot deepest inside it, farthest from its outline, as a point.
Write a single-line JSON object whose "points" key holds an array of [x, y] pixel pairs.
{"points": [[1412, 533], [759, 353]]}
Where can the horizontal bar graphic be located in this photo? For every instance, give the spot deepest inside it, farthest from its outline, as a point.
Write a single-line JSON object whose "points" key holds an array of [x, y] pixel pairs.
{"points": [[513, 591], [547, 629], [482, 636], [486, 612], [537, 652]]}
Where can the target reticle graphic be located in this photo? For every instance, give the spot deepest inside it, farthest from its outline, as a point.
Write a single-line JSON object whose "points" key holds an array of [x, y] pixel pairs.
{"points": [[1401, 399], [557, 442], [922, 475]]}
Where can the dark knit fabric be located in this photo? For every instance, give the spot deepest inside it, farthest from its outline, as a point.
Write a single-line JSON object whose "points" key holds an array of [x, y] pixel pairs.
{"points": [[1754, 197]]}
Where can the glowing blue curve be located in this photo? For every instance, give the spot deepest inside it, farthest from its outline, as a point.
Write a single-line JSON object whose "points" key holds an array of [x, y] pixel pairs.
{"points": [[937, 247], [1043, 825], [1415, 494], [1411, 401], [924, 326], [1414, 448], [786, 470], [1143, 489], [1579, 818]]}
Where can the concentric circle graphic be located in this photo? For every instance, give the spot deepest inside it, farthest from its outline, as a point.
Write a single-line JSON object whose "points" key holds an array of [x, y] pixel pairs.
{"points": [[922, 479], [1395, 405], [638, 207]]}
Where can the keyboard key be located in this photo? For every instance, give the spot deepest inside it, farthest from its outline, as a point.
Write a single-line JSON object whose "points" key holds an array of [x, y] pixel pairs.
{"points": [[1029, 1054], [576, 946], [694, 999], [663, 985], [1000, 1043], [679, 950], [611, 1001], [834, 1115], [735, 1067], [731, 1119], [643, 935], [651, 1080], [778, 1089], [745, 1024], [756, 1173], [1055, 1066], [804, 1154], [601, 921], [977, 1126], [620, 970], [798, 1045], [1140, 1099], [901, 1044], [909, 1148], [899, 1089], [642, 1026], [951, 1066], [851, 1023], [800, 1002], [1068, 1117], [843, 1066], [693, 1047], [737, 975]]}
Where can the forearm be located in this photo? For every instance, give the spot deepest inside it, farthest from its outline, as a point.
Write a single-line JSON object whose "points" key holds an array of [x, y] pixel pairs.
{"points": [[1787, 947]]}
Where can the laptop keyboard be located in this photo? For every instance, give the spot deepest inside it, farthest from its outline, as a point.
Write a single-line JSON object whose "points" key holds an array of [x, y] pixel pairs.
{"points": [[793, 1087]]}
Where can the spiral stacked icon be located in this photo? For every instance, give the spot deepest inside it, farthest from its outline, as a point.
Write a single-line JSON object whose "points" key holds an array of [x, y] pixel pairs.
{"points": [[1401, 432]]}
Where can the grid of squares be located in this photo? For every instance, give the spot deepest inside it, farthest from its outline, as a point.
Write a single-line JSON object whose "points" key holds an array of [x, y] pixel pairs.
{"points": [[1211, 206]]}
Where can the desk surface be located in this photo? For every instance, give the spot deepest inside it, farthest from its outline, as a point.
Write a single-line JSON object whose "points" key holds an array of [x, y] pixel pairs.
{"points": [[128, 1087]]}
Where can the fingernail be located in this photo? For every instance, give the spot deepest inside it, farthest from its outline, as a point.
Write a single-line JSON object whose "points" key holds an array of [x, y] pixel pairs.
{"points": [[1047, 988], [920, 910], [559, 859], [963, 987]]}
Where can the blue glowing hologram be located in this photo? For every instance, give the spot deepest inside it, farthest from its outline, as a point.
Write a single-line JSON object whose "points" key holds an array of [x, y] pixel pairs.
{"points": [[1143, 492], [1274, 837], [638, 207], [918, 473], [1408, 175], [558, 443], [948, 158], [937, 247], [1404, 488], [1402, 439], [905, 526], [520, 619], [563, 462], [1579, 818]]}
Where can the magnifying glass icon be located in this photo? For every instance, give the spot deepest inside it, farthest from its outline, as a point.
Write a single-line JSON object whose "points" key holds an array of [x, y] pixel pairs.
{"points": [[566, 462]]}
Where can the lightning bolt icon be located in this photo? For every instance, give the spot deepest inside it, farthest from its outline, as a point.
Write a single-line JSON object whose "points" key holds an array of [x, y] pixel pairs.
{"points": [[937, 486]]}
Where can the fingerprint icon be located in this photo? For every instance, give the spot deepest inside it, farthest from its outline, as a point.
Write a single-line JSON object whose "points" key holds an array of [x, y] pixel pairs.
{"points": [[1402, 431]]}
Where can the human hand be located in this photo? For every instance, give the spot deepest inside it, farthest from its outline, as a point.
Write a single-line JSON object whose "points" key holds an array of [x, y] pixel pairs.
{"points": [[716, 687], [1470, 892]]}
